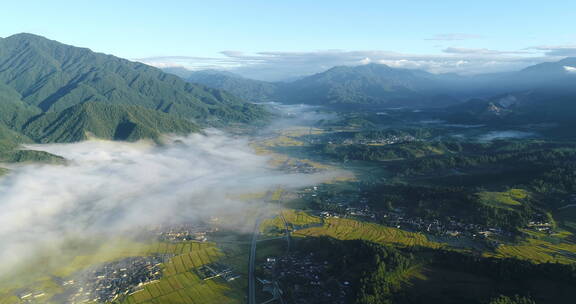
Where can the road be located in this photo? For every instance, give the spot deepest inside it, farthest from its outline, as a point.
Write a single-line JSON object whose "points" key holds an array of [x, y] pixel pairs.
{"points": [[251, 278], [288, 238]]}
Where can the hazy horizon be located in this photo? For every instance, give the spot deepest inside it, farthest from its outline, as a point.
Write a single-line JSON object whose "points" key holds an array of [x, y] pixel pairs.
{"points": [[308, 38]]}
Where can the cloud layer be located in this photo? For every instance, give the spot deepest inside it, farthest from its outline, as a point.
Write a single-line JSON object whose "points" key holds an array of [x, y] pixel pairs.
{"points": [[274, 66], [110, 187]]}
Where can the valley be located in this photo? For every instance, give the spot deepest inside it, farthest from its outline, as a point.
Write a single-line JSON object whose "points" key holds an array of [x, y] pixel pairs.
{"points": [[123, 183]]}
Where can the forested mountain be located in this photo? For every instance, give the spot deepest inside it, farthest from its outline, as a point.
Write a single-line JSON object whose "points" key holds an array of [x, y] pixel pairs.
{"points": [[526, 107], [371, 84], [247, 89], [560, 75], [52, 92], [118, 122], [378, 85], [52, 76]]}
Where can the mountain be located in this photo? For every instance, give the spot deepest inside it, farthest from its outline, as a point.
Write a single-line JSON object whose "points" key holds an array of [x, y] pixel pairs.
{"points": [[247, 89], [52, 92], [117, 122], [560, 74], [371, 84], [52, 76], [527, 107], [364, 85], [378, 85]]}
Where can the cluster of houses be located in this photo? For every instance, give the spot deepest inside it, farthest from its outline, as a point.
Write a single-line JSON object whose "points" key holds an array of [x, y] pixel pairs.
{"points": [[31, 296], [182, 232], [216, 270], [540, 225], [110, 281], [305, 277], [336, 138], [298, 166]]}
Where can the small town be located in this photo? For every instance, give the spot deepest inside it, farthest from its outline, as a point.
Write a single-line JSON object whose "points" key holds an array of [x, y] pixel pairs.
{"points": [[110, 281], [181, 232], [334, 138], [306, 278]]}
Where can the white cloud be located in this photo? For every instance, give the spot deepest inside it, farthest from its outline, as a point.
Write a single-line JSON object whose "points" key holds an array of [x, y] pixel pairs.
{"points": [[454, 37], [569, 69], [556, 50], [111, 187], [273, 66], [469, 51]]}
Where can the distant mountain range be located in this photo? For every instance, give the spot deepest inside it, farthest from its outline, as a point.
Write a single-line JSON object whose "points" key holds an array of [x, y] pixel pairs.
{"points": [[379, 85], [52, 92], [247, 89]]}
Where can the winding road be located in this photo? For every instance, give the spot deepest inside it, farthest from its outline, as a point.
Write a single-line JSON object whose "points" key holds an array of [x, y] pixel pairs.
{"points": [[251, 278]]}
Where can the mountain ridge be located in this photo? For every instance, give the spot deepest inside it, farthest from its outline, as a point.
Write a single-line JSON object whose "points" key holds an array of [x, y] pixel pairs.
{"points": [[53, 76]]}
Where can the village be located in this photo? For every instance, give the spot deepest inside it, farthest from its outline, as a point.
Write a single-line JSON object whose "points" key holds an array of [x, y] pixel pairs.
{"points": [[108, 282], [336, 138], [305, 277], [174, 233], [354, 205], [298, 166]]}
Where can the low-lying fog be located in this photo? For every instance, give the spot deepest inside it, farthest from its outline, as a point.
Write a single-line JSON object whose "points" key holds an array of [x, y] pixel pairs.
{"points": [[507, 134], [109, 187]]}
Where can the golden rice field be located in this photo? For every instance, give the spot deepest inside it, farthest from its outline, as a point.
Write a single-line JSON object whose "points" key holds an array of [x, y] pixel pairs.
{"points": [[507, 199], [178, 284], [538, 249], [348, 229], [293, 218]]}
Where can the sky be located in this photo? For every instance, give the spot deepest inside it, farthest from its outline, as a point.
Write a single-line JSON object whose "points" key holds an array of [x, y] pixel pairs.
{"points": [[273, 40]]}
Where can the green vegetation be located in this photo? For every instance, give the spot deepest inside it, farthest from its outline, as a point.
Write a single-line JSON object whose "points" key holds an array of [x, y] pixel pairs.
{"points": [[52, 92], [508, 199], [347, 229], [117, 122], [512, 300], [247, 89], [294, 220], [178, 284], [382, 152], [371, 84], [52, 77], [375, 272]]}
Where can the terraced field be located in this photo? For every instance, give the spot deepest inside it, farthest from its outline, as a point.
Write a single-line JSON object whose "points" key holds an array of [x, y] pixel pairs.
{"points": [[294, 218], [508, 200], [347, 229], [540, 248], [179, 284]]}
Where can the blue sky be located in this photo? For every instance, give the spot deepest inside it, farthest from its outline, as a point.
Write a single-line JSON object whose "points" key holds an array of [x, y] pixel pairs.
{"points": [[275, 39]]}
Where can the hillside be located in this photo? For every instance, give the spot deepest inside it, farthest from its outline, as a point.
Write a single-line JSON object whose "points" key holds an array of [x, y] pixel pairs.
{"points": [[341, 86], [117, 122], [52, 76], [247, 89], [378, 85], [526, 107], [371, 84]]}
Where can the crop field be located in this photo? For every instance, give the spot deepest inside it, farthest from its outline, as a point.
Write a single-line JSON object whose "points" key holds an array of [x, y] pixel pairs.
{"points": [[539, 251], [179, 284], [294, 218], [508, 199], [348, 229]]}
